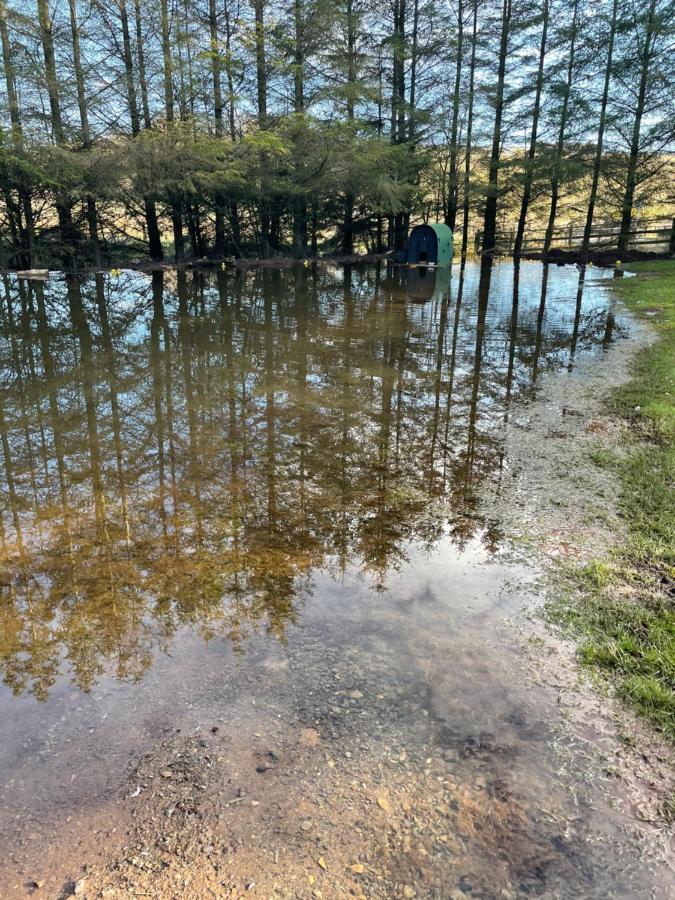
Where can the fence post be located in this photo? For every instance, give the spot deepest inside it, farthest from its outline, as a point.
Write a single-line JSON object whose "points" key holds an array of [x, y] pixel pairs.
{"points": [[671, 245]]}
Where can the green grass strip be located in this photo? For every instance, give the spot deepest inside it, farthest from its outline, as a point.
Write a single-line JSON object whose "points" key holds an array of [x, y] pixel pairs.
{"points": [[624, 608]]}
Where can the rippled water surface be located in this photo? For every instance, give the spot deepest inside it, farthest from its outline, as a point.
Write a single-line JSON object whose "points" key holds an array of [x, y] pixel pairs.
{"points": [[220, 490]]}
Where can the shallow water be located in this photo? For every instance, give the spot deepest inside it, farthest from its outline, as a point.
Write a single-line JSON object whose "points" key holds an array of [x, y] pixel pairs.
{"points": [[253, 500]]}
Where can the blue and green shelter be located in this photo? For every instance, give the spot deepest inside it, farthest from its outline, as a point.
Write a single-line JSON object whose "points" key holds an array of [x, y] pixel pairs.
{"points": [[429, 245]]}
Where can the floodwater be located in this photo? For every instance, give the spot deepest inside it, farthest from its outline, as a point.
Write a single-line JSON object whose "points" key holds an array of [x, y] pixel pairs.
{"points": [[249, 507]]}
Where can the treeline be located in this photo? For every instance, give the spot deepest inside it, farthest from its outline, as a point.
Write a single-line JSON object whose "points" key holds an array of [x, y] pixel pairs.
{"points": [[225, 127]]}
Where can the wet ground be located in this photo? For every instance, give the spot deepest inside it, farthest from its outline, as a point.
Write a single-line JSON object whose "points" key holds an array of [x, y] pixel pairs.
{"points": [[264, 598]]}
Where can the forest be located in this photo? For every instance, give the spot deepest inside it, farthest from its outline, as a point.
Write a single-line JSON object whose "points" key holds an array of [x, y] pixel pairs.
{"points": [[192, 129]]}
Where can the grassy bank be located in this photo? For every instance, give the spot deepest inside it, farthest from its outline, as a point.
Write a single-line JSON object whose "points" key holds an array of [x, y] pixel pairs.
{"points": [[624, 607]]}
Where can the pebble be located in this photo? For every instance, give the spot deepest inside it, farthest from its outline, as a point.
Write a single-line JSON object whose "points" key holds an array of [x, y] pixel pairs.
{"points": [[384, 804], [306, 825]]}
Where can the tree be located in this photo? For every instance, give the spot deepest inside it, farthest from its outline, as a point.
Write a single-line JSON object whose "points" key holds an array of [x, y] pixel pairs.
{"points": [[469, 132], [597, 162], [82, 106], [490, 217], [21, 219], [451, 214], [562, 129], [69, 234], [529, 162], [653, 28]]}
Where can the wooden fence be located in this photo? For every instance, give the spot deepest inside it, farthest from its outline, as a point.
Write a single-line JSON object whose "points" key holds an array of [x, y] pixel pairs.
{"points": [[656, 236]]}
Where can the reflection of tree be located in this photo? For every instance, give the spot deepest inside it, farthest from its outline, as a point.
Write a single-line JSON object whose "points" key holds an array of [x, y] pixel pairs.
{"points": [[577, 316], [540, 323], [187, 456]]}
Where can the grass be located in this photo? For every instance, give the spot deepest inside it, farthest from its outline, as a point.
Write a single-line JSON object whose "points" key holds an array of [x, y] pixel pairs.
{"points": [[624, 608]]}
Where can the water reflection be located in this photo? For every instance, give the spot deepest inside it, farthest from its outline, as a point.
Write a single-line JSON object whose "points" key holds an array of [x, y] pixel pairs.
{"points": [[185, 450]]}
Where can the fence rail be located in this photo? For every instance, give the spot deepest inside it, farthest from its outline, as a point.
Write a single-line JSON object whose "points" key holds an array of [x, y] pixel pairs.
{"points": [[655, 235]]}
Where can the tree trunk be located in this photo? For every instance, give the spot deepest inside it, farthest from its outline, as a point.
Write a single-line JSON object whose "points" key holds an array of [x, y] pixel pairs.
{"points": [[142, 77], [66, 227], [92, 218], [469, 134], [218, 118], [413, 72], [167, 63], [560, 146], [27, 232], [167, 78], [129, 70], [451, 216], [410, 134], [260, 62], [398, 129], [629, 195], [597, 163], [347, 227], [299, 204], [490, 218], [191, 91], [261, 84], [154, 237], [529, 162], [10, 80], [233, 209], [229, 73], [79, 74], [47, 39]]}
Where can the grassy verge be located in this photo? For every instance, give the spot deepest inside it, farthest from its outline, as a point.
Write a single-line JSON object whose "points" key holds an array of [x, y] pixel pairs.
{"points": [[624, 607]]}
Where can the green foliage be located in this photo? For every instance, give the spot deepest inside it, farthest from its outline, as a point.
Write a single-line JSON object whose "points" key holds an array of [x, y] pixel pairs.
{"points": [[296, 159]]}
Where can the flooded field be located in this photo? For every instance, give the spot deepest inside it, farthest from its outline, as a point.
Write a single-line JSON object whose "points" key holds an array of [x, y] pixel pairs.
{"points": [[255, 610]]}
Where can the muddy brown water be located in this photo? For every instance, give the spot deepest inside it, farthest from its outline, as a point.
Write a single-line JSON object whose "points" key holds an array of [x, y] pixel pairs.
{"points": [[245, 511]]}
